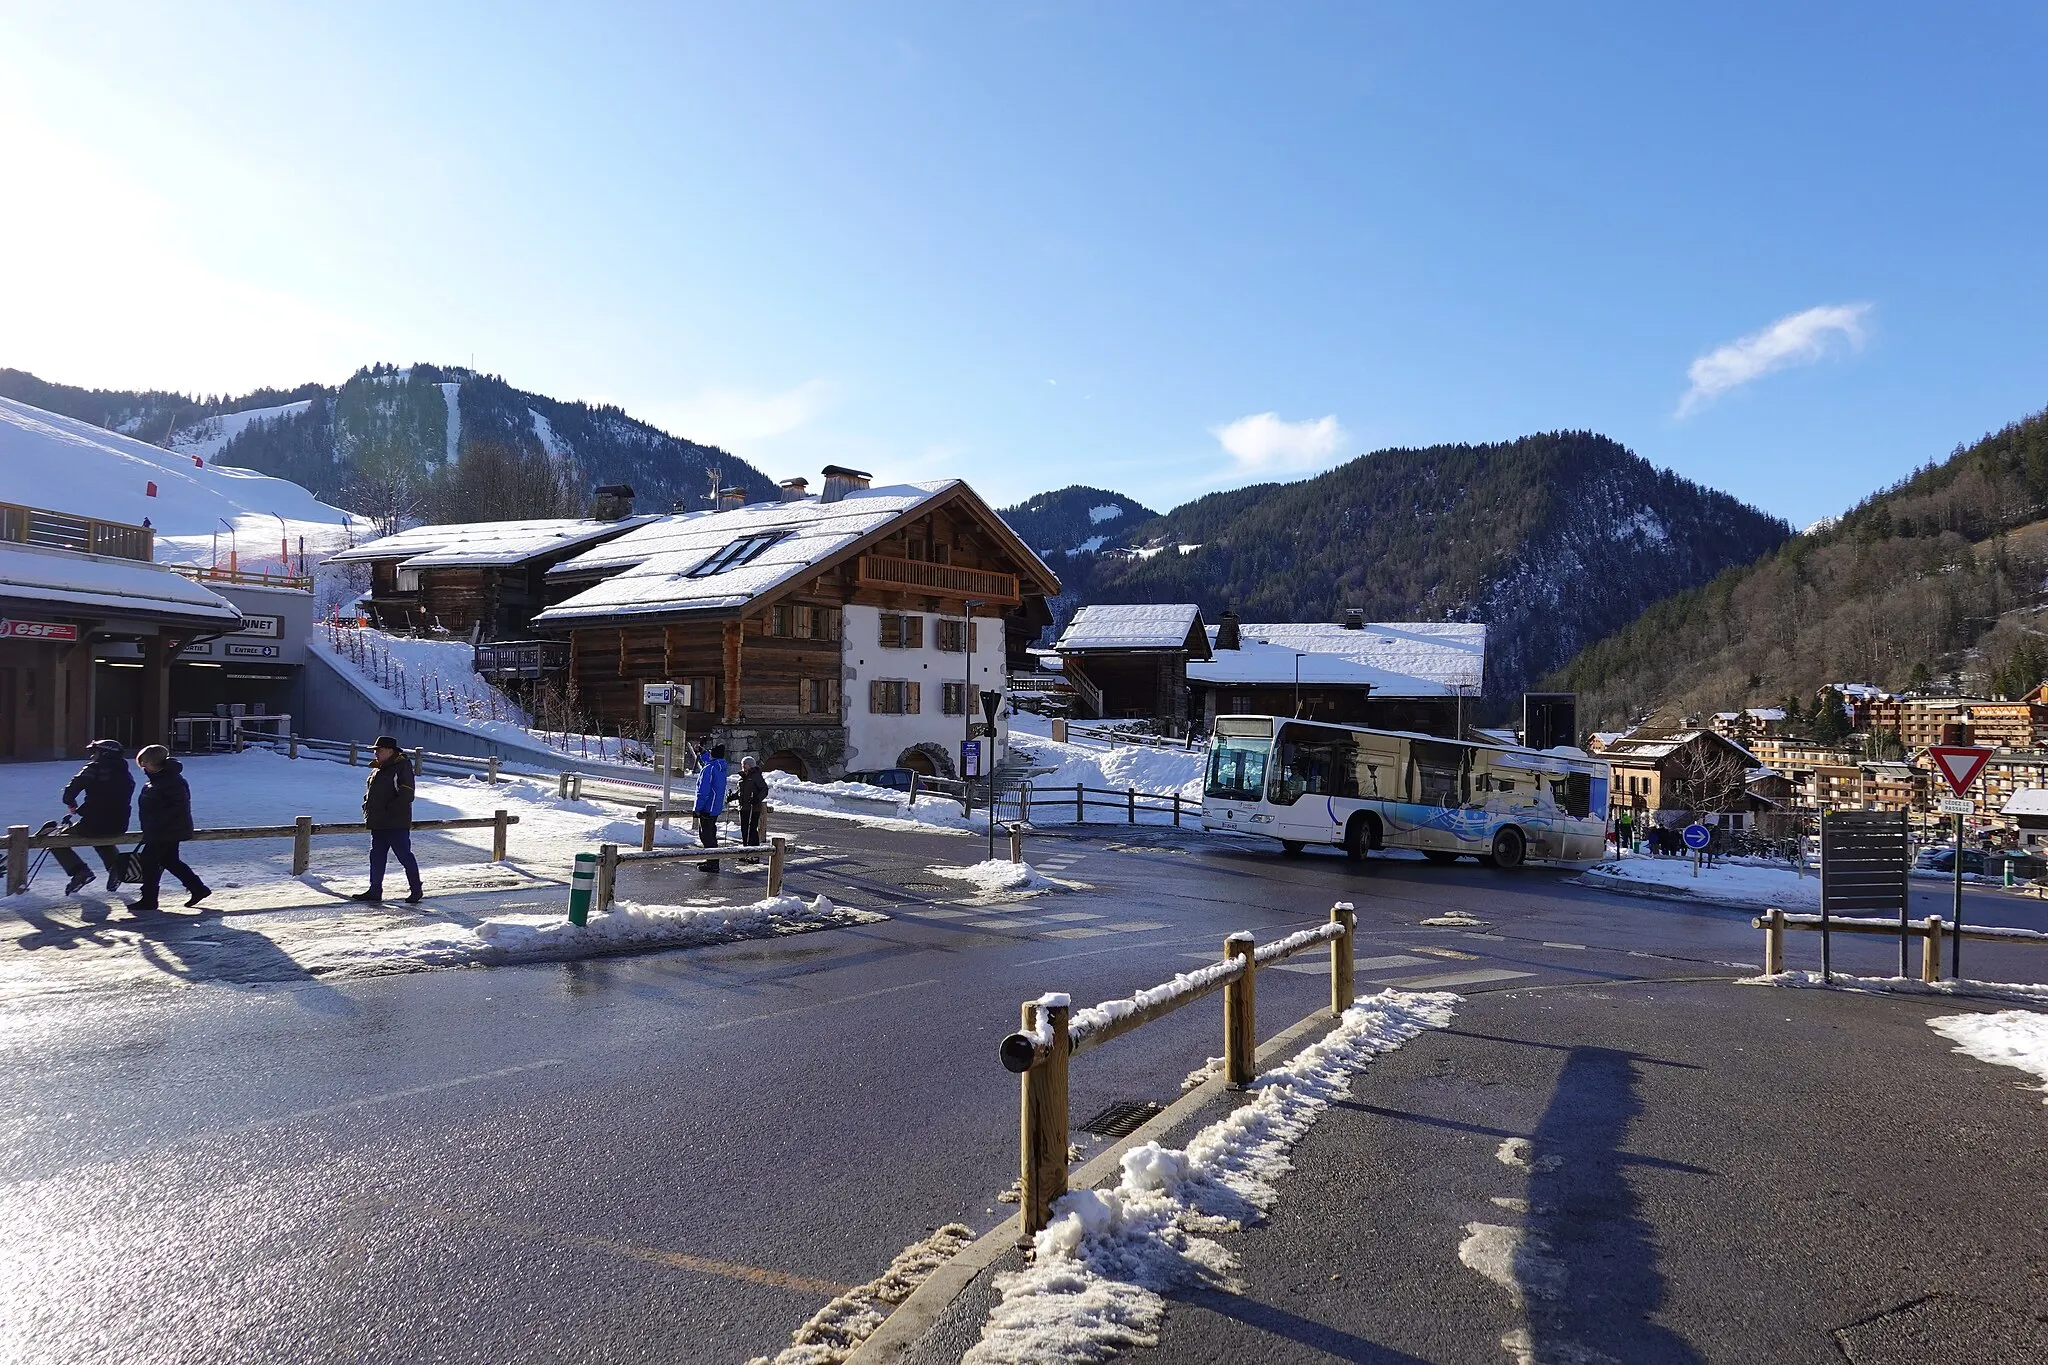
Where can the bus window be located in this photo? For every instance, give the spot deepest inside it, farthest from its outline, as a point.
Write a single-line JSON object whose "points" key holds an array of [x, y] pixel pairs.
{"points": [[1574, 794], [1440, 773], [1314, 761], [1237, 768]]}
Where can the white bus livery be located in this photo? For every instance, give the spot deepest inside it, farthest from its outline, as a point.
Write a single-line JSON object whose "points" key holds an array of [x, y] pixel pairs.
{"points": [[1306, 782]]}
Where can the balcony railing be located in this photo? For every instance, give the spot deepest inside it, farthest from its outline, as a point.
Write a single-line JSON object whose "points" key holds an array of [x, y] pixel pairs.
{"points": [[943, 580], [66, 531], [250, 578]]}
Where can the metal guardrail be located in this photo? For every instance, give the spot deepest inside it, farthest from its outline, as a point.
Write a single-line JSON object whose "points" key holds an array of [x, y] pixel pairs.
{"points": [[1053, 1034]]}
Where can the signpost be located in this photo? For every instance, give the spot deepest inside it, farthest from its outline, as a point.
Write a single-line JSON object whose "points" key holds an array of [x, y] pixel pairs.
{"points": [[1862, 868], [989, 702], [667, 696], [1958, 765], [1697, 837]]}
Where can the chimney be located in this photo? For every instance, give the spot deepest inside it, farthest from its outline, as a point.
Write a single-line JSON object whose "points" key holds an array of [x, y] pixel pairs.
{"points": [[839, 481], [1226, 631], [611, 502], [795, 490], [729, 498], [1354, 618]]}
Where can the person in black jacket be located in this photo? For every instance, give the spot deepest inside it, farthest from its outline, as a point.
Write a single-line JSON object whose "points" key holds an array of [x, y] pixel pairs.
{"points": [[98, 798], [753, 799], [387, 810], [165, 811]]}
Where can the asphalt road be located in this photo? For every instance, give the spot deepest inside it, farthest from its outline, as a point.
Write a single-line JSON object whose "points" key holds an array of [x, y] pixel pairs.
{"points": [[681, 1156]]}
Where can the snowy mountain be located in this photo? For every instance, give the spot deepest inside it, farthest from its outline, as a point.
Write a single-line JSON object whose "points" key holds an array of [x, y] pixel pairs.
{"points": [[1076, 520], [60, 463]]}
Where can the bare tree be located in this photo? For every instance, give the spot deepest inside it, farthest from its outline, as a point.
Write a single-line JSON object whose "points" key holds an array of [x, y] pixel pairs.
{"points": [[1702, 777]]}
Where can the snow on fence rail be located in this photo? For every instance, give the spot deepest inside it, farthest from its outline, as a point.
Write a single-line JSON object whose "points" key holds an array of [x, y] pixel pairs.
{"points": [[1064, 731], [1929, 931], [1053, 1033]]}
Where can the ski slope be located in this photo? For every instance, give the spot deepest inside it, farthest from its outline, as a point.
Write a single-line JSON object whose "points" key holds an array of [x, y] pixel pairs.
{"points": [[71, 466]]}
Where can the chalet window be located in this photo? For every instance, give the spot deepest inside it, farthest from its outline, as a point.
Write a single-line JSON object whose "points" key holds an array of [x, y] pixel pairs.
{"points": [[953, 696], [408, 580], [893, 698], [818, 696], [745, 550], [956, 636], [942, 554], [703, 693], [902, 632]]}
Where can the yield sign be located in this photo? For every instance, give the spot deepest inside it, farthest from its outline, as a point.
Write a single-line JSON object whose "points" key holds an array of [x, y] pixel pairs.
{"points": [[1960, 764]]}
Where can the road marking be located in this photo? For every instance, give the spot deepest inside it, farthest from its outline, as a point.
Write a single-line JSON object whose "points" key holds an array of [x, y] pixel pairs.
{"points": [[1070, 917], [1133, 926], [1305, 968], [939, 914], [405, 1094], [1075, 933], [1423, 983], [1375, 964], [1579, 946], [820, 1005], [1014, 922], [1498, 938]]}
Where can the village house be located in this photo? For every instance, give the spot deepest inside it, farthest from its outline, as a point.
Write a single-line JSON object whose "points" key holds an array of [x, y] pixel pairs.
{"points": [[1127, 662], [853, 629], [487, 578], [1750, 723], [1415, 676], [1684, 774], [1892, 786], [2021, 724]]}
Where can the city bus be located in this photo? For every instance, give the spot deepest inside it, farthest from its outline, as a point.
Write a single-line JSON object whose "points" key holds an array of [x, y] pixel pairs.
{"points": [[1359, 789]]}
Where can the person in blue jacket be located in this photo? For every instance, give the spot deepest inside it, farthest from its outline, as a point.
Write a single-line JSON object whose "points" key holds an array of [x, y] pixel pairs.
{"points": [[710, 802], [164, 808]]}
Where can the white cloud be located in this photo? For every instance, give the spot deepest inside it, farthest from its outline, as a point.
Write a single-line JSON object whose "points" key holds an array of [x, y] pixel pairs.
{"points": [[1800, 339], [740, 419], [1263, 443]]}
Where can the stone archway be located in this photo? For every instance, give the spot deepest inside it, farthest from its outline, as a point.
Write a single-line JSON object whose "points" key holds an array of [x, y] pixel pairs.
{"points": [[927, 760], [787, 761]]}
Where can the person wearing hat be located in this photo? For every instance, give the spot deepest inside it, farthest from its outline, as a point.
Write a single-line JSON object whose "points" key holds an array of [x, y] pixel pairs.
{"points": [[98, 800], [164, 809], [753, 801], [387, 810], [710, 802]]}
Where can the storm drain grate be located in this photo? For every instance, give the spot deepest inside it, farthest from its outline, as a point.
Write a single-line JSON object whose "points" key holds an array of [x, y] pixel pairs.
{"points": [[1121, 1119]]}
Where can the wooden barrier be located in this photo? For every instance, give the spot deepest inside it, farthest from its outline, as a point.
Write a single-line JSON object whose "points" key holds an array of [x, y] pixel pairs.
{"points": [[609, 857], [1929, 931], [1050, 1038]]}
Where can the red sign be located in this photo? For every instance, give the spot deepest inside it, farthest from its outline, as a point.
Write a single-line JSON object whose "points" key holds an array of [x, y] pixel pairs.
{"points": [[36, 630], [1960, 764]]}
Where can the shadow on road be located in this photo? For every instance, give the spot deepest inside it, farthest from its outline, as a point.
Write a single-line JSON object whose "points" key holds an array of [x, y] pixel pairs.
{"points": [[1278, 1322]]}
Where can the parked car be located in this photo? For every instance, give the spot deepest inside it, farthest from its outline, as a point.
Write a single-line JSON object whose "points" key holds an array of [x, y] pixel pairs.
{"points": [[1943, 859], [896, 779]]}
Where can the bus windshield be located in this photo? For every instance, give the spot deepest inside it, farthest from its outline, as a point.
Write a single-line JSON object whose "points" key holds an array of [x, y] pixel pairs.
{"points": [[1237, 768]]}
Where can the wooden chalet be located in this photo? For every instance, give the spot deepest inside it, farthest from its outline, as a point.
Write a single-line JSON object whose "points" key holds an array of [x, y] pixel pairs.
{"points": [[1412, 675], [1132, 661], [851, 629], [488, 577]]}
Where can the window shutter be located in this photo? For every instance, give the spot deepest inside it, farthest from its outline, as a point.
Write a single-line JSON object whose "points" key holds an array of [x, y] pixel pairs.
{"points": [[876, 695], [913, 632], [910, 691], [892, 631]]}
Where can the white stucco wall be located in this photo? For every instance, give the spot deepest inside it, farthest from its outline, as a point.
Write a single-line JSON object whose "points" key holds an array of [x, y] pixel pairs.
{"points": [[874, 741]]}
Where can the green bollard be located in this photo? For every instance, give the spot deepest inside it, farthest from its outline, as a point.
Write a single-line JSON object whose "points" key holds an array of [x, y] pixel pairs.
{"points": [[580, 883]]}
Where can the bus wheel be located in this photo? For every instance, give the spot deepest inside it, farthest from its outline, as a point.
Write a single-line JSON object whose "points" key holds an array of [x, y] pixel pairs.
{"points": [[1437, 855], [1508, 847], [1358, 838], [1292, 847]]}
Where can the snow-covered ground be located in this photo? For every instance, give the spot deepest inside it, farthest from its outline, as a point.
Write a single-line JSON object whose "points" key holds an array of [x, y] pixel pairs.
{"points": [[475, 911], [2014, 1038], [1102, 1267], [1098, 764], [1731, 881], [996, 875], [2019, 992], [71, 466]]}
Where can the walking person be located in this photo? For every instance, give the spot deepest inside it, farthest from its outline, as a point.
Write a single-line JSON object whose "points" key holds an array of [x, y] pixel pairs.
{"points": [[98, 798], [710, 802], [753, 799], [164, 809], [387, 810]]}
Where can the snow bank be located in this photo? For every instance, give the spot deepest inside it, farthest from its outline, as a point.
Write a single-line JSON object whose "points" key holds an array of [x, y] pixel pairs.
{"points": [[2014, 1038], [1102, 766], [1102, 1266], [997, 874], [627, 926], [2021, 992], [1758, 884]]}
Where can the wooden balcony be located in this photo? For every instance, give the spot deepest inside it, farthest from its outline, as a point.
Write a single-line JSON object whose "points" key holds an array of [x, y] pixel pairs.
{"points": [[251, 578], [939, 580], [67, 531]]}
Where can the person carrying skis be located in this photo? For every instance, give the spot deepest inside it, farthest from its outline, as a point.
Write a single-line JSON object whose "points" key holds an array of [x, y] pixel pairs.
{"points": [[710, 802], [387, 810], [164, 809], [98, 798], [753, 799]]}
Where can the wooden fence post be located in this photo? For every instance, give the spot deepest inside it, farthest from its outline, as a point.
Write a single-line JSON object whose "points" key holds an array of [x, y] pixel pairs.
{"points": [[607, 872], [351, 753], [1059, 730], [1024, 804], [1017, 843], [419, 761], [1930, 950], [1176, 810], [778, 845], [17, 859], [1131, 803], [647, 819], [498, 836], [491, 771], [562, 785], [295, 746], [1080, 805], [1043, 1150], [1774, 942], [302, 844], [1341, 989], [1238, 1045]]}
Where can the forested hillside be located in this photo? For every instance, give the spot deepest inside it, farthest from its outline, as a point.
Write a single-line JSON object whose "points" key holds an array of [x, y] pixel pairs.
{"points": [[1552, 540], [1938, 577], [1077, 519], [423, 443]]}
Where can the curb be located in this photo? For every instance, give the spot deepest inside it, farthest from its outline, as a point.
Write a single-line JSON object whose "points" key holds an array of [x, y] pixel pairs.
{"points": [[929, 1301], [1602, 881]]}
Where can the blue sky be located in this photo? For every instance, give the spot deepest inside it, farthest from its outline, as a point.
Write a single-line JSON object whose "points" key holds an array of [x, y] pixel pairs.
{"points": [[1158, 248]]}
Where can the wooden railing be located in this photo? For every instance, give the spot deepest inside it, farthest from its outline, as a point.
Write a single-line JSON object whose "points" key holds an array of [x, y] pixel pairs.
{"points": [[1052, 1034], [237, 576], [1929, 931], [945, 580], [67, 531]]}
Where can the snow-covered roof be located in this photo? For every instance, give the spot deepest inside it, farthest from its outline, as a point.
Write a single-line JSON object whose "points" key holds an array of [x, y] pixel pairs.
{"points": [[2030, 802], [1415, 658], [65, 583], [1866, 691], [1135, 626], [1754, 713], [651, 565], [1654, 747], [484, 544]]}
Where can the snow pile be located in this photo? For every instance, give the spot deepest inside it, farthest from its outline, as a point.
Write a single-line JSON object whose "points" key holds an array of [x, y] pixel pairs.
{"points": [[1102, 766], [2020, 992], [627, 926], [1747, 883], [997, 874], [883, 807], [1101, 1267], [2014, 1038], [837, 1330]]}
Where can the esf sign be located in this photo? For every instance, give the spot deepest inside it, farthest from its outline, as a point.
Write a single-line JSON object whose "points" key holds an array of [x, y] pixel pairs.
{"points": [[36, 630]]}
